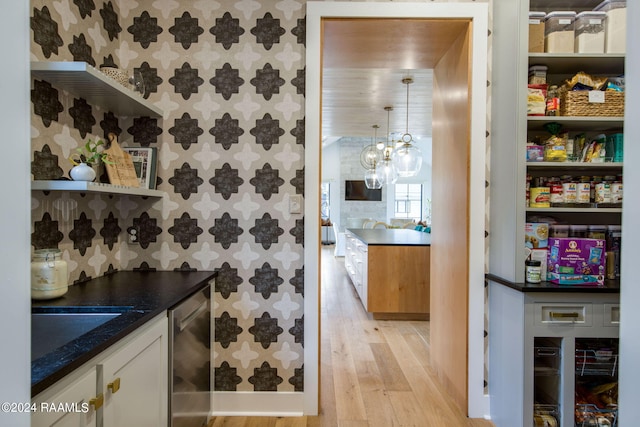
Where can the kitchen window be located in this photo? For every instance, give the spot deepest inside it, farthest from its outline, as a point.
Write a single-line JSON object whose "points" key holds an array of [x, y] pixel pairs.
{"points": [[408, 201]]}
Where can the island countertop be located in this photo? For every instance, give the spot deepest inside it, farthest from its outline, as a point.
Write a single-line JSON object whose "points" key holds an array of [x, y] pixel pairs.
{"points": [[391, 237]]}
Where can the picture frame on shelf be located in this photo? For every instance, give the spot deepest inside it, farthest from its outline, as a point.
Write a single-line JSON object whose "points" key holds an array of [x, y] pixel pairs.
{"points": [[145, 161]]}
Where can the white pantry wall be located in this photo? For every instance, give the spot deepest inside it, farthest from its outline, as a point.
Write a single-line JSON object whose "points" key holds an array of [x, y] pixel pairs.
{"points": [[629, 374], [15, 302]]}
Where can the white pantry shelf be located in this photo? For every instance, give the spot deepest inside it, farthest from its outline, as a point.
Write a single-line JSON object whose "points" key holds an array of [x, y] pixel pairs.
{"points": [[575, 210], [575, 165], [577, 123], [84, 80], [592, 63], [93, 187]]}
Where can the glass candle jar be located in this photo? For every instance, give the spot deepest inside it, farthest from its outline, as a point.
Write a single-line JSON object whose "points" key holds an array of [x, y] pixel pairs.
{"points": [[49, 277]]}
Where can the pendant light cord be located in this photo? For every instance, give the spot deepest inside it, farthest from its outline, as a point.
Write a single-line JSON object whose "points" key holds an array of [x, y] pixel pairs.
{"points": [[409, 138], [387, 149], [407, 122]]}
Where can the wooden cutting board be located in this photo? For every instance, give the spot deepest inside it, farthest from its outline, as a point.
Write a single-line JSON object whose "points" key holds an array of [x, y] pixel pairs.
{"points": [[121, 170]]}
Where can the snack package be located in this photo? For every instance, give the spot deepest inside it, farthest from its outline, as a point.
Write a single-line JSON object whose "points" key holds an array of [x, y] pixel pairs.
{"points": [[555, 148], [535, 153], [536, 100], [584, 81], [536, 235], [576, 260], [579, 141], [595, 151]]}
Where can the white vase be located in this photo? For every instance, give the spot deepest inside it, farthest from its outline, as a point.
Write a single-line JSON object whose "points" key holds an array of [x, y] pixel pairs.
{"points": [[82, 172]]}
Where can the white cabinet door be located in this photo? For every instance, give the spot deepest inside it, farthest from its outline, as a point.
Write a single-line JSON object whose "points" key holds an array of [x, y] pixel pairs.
{"points": [[363, 259], [135, 380], [67, 405]]}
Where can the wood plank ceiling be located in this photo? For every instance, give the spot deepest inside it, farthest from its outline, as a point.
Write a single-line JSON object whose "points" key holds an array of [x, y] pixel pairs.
{"points": [[364, 62]]}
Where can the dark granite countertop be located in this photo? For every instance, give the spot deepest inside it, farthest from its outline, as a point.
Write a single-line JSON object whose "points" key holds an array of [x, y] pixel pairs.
{"points": [[610, 286], [391, 236], [141, 296]]}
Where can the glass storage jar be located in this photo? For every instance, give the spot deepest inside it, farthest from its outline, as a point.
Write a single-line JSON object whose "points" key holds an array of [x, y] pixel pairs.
{"points": [[49, 277]]}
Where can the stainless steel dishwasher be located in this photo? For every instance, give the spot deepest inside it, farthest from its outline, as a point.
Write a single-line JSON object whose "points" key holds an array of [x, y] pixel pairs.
{"points": [[190, 360]]}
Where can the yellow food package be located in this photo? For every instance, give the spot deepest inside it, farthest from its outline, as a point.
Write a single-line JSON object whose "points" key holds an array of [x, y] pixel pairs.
{"points": [[555, 149], [536, 100]]}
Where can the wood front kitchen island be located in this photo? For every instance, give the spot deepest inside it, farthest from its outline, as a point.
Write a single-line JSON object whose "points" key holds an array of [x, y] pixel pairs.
{"points": [[390, 270]]}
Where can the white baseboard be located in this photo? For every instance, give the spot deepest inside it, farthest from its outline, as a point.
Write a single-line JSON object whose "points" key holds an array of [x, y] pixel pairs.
{"points": [[486, 404], [257, 403]]}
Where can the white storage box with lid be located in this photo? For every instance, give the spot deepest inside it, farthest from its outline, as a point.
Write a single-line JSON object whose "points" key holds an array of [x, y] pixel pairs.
{"points": [[536, 32], [559, 32], [538, 74], [590, 32], [615, 25]]}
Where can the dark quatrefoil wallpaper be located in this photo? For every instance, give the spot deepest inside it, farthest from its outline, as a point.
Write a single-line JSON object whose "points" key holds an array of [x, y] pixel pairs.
{"points": [[230, 78]]}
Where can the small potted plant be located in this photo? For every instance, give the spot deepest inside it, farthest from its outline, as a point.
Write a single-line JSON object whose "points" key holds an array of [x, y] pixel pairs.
{"points": [[86, 159]]}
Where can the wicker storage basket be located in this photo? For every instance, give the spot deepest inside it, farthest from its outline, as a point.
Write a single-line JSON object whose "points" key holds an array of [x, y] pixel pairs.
{"points": [[576, 103]]}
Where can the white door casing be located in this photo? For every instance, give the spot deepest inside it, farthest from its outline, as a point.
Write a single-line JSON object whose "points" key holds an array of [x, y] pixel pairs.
{"points": [[478, 14]]}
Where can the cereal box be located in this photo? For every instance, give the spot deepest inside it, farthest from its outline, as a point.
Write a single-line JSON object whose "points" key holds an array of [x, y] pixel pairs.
{"points": [[576, 261], [536, 235]]}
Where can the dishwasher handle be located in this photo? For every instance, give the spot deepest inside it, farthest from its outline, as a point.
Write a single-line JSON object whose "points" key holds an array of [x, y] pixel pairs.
{"points": [[186, 320]]}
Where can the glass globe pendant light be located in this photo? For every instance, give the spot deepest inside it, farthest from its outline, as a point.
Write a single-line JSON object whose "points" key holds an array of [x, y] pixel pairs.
{"points": [[407, 158], [372, 180], [372, 156], [387, 173]]}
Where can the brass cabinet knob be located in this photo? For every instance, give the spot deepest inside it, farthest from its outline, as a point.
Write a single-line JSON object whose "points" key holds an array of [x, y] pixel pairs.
{"points": [[114, 386], [97, 401]]}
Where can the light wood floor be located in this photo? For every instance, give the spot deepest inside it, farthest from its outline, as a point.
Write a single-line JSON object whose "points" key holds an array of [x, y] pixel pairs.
{"points": [[374, 373]]}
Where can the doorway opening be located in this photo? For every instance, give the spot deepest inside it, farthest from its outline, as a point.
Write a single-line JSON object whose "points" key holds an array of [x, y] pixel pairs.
{"points": [[459, 126]]}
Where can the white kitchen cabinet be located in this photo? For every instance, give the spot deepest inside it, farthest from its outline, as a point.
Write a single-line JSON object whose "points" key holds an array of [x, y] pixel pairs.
{"points": [[126, 385], [527, 331], [388, 285], [355, 262], [135, 380], [79, 395]]}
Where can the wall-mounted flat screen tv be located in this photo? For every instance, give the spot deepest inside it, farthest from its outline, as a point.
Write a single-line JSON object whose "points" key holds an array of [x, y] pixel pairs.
{"points": [[357, 190]]}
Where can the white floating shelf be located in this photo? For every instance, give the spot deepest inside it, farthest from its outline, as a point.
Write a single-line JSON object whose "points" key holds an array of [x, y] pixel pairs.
{"points": [[83, 80], [93, 187]]}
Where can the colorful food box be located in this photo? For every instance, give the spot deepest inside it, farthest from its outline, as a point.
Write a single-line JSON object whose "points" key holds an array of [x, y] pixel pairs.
{"points": [[536, 235], [576, 261], [535, 153]]}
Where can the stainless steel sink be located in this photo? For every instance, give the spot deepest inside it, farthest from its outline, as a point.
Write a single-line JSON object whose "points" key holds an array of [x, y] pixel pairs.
{"points": [[51, 329]]}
